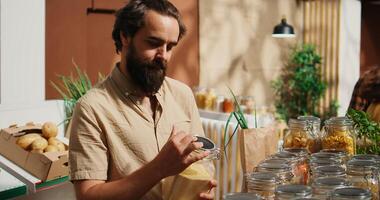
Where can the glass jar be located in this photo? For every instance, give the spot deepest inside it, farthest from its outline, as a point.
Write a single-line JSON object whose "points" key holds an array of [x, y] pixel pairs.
{"points": [[299, 135], [372, 157], [323, 187], [329, 171], [299, 165], [315, 125], [351, 193], [218, 106], [284, 192], [228, 105], [262, 183], [315, 163], [340, 135], [241, 196], [210, 99], [208, 145], [282, 171], [363, 174], [343, 156], [248, 103], [200, 96]]}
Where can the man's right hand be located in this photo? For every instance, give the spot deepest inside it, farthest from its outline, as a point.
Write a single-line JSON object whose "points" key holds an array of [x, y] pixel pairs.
{"points": [[178, 153]]}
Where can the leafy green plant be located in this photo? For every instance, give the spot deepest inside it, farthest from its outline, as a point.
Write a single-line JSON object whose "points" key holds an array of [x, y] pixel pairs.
{"points": [[299, 87], [240, 118], [73, 88], [366, 130]]}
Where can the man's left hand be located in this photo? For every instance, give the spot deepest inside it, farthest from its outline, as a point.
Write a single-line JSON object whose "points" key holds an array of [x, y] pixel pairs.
{"points": [[209, 195]]}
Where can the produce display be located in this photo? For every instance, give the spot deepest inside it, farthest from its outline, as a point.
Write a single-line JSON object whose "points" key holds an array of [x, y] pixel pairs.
{"points": [[42, 142]]}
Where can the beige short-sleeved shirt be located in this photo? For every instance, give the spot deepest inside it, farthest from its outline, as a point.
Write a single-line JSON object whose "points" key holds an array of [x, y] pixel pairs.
{"points": [[111, 135]]}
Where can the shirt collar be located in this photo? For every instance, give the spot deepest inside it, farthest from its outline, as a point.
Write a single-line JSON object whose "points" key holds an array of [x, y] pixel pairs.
{"points": [[126, 85]]}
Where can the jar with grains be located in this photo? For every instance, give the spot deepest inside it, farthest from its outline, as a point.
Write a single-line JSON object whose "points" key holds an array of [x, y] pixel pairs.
{"points": [[299, 135], [248, 103], [262, 183], [299, 165], [324, 186], [282, 171], [315, 126], [364, 174], [340, 135], [241, 196], [285, 192], [200, 96], [210, 99], [351, 193], [228, 105]]}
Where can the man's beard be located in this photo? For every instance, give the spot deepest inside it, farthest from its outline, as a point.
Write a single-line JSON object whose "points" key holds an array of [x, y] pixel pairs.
{"points": [[147, 75]]}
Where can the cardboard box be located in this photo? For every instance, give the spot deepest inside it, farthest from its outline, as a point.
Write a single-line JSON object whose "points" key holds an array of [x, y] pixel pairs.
{"points": [[46, 166]]}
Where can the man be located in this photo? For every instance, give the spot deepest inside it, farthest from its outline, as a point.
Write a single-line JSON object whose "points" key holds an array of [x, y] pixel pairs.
{"points": [[366, 94], [135, 128]]}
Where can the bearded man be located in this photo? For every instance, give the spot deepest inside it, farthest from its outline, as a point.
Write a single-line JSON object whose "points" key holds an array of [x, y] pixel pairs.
{"points": [[137, 127]]}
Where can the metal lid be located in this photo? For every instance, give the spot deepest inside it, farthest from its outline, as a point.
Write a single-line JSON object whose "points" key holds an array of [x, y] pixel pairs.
{"points": [[330, 170], [342, 121], [207, 143], [361, 165], [285, 155], [297, 151], [338, 152], [276, 160], [296, 123], [296, 190], [366, 157], [262, 176], [323, 155], [241, 196], [324, 162], [309, 118], [351, 192], [331, 181], [275, 167]]}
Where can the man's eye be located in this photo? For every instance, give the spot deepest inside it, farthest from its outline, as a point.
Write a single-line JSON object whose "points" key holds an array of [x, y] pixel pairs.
{"points": [[154, 43]]}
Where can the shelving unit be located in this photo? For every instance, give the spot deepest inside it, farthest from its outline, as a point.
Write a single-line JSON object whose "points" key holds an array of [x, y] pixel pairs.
{"points": [[10, 186]]}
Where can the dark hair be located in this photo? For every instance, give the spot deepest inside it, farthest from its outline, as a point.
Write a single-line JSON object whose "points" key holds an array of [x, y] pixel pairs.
{"points": [[130, 18]]}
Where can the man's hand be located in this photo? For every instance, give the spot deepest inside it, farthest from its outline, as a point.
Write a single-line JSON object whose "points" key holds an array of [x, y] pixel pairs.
{"points": [[176, 155], [211, 193]]}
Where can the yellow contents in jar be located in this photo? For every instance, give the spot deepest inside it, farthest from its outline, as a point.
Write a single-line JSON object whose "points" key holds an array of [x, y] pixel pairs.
{"points": [[298, 139], [339, 140]]}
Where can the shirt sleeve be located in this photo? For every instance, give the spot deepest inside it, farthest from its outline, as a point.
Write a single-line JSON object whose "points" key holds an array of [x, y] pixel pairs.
{"points": [[88, 158]]}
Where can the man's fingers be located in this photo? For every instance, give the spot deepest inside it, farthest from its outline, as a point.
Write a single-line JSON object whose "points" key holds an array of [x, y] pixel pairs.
{"points": [[192, 146], [207, 196], [195, 156], [213, 184]]}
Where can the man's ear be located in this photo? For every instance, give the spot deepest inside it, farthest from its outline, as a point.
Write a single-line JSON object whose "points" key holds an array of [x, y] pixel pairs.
{"points": [[124, 39]]}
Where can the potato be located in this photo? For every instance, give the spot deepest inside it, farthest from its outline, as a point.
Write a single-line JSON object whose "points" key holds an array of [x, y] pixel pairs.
{"points": [[51, 148], [49, 129], [26, 140], [61, 147], [54, 141], [39, 143]]}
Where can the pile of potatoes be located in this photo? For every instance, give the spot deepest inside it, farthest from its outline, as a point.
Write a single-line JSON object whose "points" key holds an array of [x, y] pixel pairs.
{"points": [[41, 143]]}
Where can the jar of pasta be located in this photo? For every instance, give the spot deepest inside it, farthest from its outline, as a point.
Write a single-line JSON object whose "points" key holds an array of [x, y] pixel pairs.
{"points": [[363, 174], [299, 135], [299, 163], [340, 135], [314, 123]]}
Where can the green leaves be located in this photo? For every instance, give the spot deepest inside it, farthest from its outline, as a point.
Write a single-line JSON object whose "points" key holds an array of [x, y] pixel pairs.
{"points": [[366, 129], [73, 88], [299, 87]]}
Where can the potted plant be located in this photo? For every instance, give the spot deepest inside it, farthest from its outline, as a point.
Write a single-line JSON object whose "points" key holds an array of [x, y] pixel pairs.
{"points": [[299, 88]]}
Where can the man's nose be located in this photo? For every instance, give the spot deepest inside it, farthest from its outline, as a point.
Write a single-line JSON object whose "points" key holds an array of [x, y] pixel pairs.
{"points": [[162, 53]]}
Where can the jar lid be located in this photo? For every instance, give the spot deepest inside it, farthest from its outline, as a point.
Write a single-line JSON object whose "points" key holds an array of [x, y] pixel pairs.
{"points": [[330, 170], [285, 155], [324, 162], [297, 151], [241, 196], [209, 146], [310, 118], [297, 190], [339, 152], [331, 181], [276, 160], [343, 121], [275, 167], [351, 192], [297, 123], [361, 165], [366, 157], [324, 155], [262, 176]]}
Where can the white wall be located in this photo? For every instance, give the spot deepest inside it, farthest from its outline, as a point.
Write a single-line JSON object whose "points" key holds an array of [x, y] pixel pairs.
{"points": [[22, 78], [349, 55]]}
